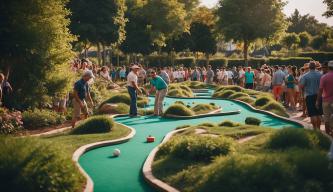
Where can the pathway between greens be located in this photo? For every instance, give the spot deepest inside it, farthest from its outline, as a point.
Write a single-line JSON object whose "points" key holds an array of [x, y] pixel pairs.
{"points": [[124, 174]]}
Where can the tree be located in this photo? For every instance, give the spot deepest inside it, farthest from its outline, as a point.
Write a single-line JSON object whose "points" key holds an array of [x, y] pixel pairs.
{"points": [[321, 41], [305, 23], [101, 23], [290, 40], [329, 12], [203, 39], [35, 49], [245, 21], [138, 36], [166, 19], [305, 39]]}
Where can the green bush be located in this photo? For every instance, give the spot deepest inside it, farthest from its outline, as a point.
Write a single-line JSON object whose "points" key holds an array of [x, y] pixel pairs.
{"points": [[243, 173], [40, 118], [262, 101], [119, 98], [252, 121], [197, 148], [30, 165], [96, 124], [228, 123], [300, 138], [121, 108], [246, 99], [230, 87], [180, 110], [297, 61], [179, 90], [185, 61], [318, 56]]}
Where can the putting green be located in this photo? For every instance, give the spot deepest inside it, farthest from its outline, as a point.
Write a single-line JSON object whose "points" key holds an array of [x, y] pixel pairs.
{"points": [[124, 173]]}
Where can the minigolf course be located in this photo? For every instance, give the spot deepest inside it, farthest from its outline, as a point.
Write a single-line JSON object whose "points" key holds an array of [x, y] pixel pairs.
{"points": [[125, 172]]}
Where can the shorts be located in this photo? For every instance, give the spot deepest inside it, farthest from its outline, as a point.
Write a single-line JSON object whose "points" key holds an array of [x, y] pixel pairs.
{"points": [[277, 90], [328, 112], [249, 86], [311, 106], [77, 109]]}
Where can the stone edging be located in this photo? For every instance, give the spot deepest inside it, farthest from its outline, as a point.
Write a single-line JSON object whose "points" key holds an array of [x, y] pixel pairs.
{"points": [[83, 149], [301, 123], [147, 167]]}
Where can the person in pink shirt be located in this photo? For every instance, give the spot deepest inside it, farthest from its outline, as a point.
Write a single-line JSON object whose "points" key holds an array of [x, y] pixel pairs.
{"points": [[326, 90]]}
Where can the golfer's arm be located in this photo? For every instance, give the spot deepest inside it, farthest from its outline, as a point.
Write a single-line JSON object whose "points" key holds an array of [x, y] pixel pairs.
{"points": [[151, 89], [135, 85]]}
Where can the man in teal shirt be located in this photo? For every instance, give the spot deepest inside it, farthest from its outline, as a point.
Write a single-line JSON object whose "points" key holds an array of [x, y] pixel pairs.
{"points": [[161, 87], [249, 79]]}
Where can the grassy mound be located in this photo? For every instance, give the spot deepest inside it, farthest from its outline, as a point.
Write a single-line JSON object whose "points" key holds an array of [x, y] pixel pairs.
{"points": [[179, 90], [197, 148], [180, 110], [96, 124], [224, 94], [276, 108], [228, 123], [119, 98], [31, 165], [230, 87], [263, 101], [207, 125], [121, 108], [238, 95], [300, 138], [246, 99], [252, 121], [203, 108]]}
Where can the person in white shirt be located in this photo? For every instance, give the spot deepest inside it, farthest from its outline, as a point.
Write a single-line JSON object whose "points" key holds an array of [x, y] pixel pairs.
{"points": [[230, 77], [224, 78], [133, 90], [175, 75], [241, 76], [105, 74]]}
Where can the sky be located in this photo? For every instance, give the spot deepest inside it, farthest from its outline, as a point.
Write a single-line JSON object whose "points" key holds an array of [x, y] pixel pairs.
{"points": [[314, 7]]}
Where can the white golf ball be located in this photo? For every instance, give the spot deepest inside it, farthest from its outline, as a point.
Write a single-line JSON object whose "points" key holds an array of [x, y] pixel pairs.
{"points": [[116, 152]]}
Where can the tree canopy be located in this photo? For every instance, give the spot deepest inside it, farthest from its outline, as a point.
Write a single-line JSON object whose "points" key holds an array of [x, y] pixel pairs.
{"points": [[35, 46], [329, 12], [245, 21]]}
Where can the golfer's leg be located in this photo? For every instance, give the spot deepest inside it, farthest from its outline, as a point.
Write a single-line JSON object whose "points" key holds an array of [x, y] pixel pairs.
{"points": [[162, 96], [156, 103]]}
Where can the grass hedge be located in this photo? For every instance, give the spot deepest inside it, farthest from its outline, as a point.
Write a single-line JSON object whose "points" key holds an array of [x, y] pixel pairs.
{"points": [[30, 165], [40, 118], [179, 109], [95, 124], [318, 56], [198, 148]]}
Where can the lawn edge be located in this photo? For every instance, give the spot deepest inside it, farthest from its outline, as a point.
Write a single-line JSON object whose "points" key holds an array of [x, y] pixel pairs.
{"points": [[89, 187], [147, 168]]}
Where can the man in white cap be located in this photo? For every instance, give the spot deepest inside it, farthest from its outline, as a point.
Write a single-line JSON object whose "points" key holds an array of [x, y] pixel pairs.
{"points": [[133, 90], [81, 93], [326, 91]]}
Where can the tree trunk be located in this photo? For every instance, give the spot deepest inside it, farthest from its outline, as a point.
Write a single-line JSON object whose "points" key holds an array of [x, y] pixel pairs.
{"points": [[245, 51], [103, 55], [99, 53], [207, 60]]}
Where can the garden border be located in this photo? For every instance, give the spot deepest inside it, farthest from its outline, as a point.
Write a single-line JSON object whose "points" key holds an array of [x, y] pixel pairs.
{"points": [[147, 168], [89, 187]]}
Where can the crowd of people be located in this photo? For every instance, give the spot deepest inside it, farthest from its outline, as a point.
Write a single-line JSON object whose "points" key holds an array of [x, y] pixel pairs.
{"points": [[307, 89]]}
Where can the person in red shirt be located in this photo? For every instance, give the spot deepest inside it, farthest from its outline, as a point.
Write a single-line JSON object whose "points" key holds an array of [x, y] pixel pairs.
{"points": [[326, 91]]}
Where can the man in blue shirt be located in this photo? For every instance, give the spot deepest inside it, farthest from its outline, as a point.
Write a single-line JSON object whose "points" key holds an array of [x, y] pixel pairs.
{"points": [[81, 93], [161, 87], [310, 85]]}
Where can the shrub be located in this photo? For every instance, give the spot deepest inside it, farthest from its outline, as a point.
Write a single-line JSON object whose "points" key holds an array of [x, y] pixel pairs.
{"points": [[185, 61], [96, 124], [262, 101], [177, 90], [142, 101], [119, 98], [228, 123], [246, 99], [252, 121], [180, 110], [207, 124], [300, 138], [230, 87], [238, 95], [10, 121], [30, 165], [38, 118], [197, 148], [121, 108], [318, 56], [248, 173]]}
